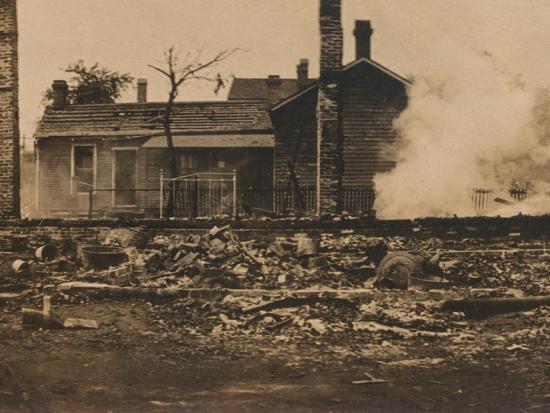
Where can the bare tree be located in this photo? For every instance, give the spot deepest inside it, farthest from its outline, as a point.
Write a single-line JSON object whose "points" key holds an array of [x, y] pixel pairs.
{"points": [[178, 72]]}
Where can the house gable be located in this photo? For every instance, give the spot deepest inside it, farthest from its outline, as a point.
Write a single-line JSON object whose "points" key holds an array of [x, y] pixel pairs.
{"points": [[372, 99], [363, 63]]}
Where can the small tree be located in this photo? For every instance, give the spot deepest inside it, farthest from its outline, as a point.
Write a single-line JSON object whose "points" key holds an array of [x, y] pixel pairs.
{"points": [[193, 67], [94, 84]]}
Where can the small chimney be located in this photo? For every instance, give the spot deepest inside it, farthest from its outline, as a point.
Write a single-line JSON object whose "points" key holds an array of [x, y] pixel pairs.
{"points": [[142, 91], [302, 72], [60, 92], [273, 80], [363, 32]]}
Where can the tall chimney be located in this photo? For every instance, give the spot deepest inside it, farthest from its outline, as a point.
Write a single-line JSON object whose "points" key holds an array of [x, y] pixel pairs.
{"points": [[329, 133], [60, 91], [302, 72], [9, 108], [363, 32], [142, 91]]}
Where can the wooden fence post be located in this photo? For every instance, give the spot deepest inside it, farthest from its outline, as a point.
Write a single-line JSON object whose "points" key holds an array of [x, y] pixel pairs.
{"points": [[161, 201], [195, 210], [90, 203], [234, 194]]}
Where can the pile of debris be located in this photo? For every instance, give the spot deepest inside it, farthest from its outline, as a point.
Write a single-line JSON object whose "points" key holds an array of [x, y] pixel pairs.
{"points": [[305, 317], [220, 259]]}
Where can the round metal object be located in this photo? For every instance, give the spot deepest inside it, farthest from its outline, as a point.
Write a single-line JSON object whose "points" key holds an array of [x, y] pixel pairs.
{"points": [[46, 252], [20, 266], [395, 269], [100, 257]]}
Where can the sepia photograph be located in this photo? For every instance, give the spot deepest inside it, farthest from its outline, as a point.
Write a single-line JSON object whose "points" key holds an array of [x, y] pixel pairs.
{"points": [[255, 206]]}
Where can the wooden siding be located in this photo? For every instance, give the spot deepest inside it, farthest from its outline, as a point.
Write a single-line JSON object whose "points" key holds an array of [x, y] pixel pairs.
{"points": [[296, 118], [253, 165], [372, 101], [54, 179]]}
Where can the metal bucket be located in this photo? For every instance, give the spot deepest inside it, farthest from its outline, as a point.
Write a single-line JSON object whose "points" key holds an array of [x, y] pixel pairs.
{"points": [[101, 257], [20, 266], [46, 252]]}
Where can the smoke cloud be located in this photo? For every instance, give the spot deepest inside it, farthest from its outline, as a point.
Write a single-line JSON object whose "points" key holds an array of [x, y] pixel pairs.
{"points": [[477, 118]]}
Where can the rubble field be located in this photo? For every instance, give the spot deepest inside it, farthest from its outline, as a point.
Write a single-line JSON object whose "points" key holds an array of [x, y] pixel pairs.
{"points": [[206, 322]]}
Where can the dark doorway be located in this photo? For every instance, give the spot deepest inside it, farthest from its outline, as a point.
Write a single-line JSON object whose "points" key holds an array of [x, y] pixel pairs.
{"points": [[125, 177]]}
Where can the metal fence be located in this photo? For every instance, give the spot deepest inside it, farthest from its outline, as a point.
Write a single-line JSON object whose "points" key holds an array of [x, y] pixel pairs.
{"points": [[283, 200], [198, 195], [482, 197]]}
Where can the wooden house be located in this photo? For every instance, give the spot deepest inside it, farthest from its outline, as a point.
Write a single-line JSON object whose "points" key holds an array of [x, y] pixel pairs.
{"points": [[119, 150], [267, 131]]}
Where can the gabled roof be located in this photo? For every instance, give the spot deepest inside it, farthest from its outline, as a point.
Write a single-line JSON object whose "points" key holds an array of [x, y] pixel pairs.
{"points": [[349, 66], [145, 119], [272, 90]]}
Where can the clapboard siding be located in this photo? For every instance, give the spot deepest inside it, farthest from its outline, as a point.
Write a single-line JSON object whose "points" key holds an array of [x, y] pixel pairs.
{"points": [[54, 175], [296, 118], [371, 101], [54, 178]]}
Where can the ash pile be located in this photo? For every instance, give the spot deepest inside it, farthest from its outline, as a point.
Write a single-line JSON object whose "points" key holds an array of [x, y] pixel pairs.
{"points": [[331, 285]]}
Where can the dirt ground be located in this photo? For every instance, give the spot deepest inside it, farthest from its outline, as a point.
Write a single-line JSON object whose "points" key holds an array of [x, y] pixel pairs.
{"points": [[130, 365], [184, 355]]}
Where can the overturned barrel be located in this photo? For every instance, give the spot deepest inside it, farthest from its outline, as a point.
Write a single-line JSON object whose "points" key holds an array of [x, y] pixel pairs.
{"points": [[101, 257], [20, 267], [46, 252]]}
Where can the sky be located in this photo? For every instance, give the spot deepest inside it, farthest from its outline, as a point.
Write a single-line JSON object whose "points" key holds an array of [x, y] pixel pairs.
{"points": [[410, 37]]}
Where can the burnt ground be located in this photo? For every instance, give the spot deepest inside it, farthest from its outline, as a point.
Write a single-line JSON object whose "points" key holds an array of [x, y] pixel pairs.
{"points": [[197, 355]]}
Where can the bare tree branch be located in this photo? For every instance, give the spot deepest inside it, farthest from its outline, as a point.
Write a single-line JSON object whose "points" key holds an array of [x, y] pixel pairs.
{"points": [[178, 74], [158, 69]]}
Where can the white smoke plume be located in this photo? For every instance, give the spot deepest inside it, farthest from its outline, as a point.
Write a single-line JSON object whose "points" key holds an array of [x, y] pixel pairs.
{"points": [[472, 121]]}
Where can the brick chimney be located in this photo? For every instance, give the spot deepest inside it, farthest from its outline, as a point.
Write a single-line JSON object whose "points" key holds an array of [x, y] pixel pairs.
{"points": [[60, 92], [142, 91], [329, 133], [363, 32], [273, 80], [9, 108], [302, 72]]}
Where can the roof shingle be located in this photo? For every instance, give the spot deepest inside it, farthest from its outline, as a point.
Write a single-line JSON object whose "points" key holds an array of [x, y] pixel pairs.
{"points": [[123, 119], [272, 90]]}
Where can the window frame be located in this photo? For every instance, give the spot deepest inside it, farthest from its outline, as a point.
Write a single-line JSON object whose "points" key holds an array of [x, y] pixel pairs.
{"points": [[114, 150], [188, 155], [73, 166]]}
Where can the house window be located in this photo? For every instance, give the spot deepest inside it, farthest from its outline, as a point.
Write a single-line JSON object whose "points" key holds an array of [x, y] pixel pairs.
{"points": [[83, 173], [188, 163]]}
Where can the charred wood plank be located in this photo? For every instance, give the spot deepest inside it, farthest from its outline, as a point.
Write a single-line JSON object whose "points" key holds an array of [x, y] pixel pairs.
{"points": [[486, 307]]}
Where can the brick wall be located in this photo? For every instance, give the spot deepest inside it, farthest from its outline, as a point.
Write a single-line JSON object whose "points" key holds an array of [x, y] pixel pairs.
{"points": [[9, 118], [329, 136]]}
